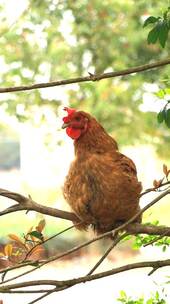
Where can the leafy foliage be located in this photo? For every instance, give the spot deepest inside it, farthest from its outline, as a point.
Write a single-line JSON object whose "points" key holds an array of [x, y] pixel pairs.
{"points": [[161, 28], [159, 32], [164, 114], [73, 38], [155, 299], [19, 249], [141, 241]]}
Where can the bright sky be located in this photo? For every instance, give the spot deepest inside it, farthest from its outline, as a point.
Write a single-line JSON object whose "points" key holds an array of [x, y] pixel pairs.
{"points": [[13, 9]]}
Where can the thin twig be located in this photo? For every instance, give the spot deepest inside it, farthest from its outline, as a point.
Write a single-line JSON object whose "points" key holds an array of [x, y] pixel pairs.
{"points": [[22, 264], [26, 291], [153, 270], [125, 225], [155, 189], [114, 243], [131, 229], [154, 240], [42, 297], [47, 240], [91, 77]]}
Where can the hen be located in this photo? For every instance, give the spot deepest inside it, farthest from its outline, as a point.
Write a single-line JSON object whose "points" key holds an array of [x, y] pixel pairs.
{"points": [[101, 186]]}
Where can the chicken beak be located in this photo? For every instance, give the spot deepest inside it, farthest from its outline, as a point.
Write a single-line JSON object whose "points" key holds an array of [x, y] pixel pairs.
{"points": [[65, 125]]}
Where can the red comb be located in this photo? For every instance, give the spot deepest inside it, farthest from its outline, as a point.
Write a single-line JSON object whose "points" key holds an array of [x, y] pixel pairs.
{"points": [[69, 110]]}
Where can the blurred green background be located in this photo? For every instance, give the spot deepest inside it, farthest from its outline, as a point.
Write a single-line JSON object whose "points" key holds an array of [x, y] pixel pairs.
{"points": [[42, 41]]}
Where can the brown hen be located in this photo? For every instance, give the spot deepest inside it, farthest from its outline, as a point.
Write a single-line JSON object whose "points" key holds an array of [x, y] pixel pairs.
{"points": [[101, 186]]}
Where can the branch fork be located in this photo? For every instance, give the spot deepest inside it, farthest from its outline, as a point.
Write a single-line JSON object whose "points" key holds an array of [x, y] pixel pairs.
{"points": [[130, 228]]}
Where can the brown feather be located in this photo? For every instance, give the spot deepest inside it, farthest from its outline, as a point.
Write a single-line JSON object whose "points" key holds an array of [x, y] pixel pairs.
{"points": [[101, 186]]}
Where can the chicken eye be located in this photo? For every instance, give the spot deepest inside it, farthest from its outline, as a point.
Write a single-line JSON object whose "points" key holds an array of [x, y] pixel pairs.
{"points": [[78, 118]]}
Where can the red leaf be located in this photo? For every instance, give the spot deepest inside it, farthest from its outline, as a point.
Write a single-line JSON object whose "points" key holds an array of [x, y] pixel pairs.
{"points": [[15, 238], [8, 250], [156, 183], [165, 170], [40, 226]]}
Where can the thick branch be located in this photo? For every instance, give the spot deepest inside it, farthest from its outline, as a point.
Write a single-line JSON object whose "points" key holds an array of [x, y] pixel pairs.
{"points": [[148, 229], [72, 282], [29, 205], [137, 69]]}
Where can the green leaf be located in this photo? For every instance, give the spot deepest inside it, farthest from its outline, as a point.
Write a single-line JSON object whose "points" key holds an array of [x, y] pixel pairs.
{"points": [[157, 295], [167, 118], [161, 116], [36, 263], [159, 31], [123, 294], [153, 35], [150, 20], [163, 33], [160, 94], [164, 248], [150, 301], [167, 91], [36, 234]]}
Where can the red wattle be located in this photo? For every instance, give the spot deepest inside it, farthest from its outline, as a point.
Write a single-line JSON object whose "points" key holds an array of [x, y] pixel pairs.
{"points": [[73, 133], [70, 112]]}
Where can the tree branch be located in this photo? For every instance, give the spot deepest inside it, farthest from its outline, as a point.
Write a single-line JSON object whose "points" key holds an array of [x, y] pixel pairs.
{"points": [[148, 229], [128, 226], [114, 243], [156, 189], [92, 77], [28, 204], [67, 283], [131, 229]]}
